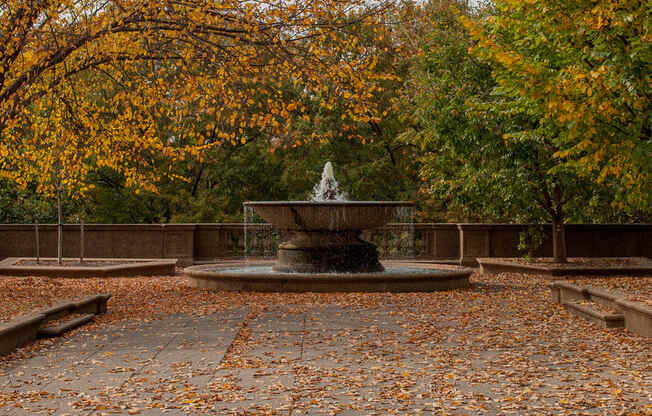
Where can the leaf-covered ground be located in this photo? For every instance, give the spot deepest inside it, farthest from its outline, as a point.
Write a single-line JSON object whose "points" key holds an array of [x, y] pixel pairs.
{"points": [[499, 347]]}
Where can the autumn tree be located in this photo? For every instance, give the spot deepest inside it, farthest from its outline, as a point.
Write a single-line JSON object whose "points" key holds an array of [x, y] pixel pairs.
{"points": [[584, 68], [266, 163], [59, 56], [84, 85], [486, 154]]}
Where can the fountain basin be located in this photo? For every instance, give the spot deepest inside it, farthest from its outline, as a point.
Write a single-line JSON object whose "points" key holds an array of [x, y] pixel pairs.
{"points": [[325, 235], [327, 215], [258, 276]]}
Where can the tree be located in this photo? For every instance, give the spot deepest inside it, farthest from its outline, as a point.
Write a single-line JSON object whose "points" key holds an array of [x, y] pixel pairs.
{"points": [[57, 114], [83, 85], [585, 67], [488, 155]]}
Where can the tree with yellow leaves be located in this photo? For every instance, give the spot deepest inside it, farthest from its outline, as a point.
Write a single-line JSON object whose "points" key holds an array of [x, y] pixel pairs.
{"points": [[488, 152], [85, 84]]}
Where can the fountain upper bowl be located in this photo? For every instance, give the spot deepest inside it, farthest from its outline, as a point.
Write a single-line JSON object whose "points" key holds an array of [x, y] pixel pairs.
{"points": [[327, 215]]}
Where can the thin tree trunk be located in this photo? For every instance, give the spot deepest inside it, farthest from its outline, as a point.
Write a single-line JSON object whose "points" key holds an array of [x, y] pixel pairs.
{"points": [[559, 240], [38, 249], [195, 185], [81, 242], [59, 228]]}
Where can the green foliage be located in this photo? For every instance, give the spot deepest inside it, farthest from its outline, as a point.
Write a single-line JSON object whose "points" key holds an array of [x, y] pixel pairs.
{"points": [[531, 240], [545, 119], [488, 155], [582, 68], [23, 205]]}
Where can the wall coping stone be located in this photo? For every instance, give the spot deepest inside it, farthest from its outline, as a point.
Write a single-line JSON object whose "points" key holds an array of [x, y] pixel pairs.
{"points": [[474, 227]]}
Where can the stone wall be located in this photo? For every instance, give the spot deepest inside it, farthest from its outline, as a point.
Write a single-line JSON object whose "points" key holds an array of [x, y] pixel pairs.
{"points": [[582, 240], [196, 243], [102, 240]]}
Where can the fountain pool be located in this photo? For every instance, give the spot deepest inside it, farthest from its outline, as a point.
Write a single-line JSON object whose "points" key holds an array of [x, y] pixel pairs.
{"points": [[259, 276]]}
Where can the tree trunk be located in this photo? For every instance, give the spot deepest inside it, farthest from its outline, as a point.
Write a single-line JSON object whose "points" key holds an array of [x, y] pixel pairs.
{"points": [[558, 240], [38, 249], [195, 185], [59, 229], [81, 242]]}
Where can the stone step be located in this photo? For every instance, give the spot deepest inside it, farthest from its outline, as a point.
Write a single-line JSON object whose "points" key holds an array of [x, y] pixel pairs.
{"points": [[605, 320], [55, 331]]}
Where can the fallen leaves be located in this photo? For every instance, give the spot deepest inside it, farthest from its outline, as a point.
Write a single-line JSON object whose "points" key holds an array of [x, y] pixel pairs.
{"points": [[499, 347]]}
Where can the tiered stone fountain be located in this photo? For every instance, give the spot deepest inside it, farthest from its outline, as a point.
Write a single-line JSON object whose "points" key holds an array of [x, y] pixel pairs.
{"points": [[325, 251], [325, 232]]}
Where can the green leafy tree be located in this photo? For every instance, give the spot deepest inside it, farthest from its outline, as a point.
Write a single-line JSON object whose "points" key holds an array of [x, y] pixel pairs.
{"points": [[486, 154], [583, 68]]}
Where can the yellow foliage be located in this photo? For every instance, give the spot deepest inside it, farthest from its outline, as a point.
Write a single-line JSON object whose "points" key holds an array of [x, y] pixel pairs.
{"points": [[82, 93]]}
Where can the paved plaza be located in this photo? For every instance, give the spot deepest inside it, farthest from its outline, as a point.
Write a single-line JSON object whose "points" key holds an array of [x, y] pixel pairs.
{"points": [[481, 350]]}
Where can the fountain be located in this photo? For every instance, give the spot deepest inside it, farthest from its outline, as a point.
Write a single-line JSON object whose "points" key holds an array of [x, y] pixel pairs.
{"points": [[324, 251], [325, 232]]}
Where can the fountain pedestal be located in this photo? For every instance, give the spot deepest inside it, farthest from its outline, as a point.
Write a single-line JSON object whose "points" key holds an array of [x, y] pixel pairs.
{"points": [[326, 252]]}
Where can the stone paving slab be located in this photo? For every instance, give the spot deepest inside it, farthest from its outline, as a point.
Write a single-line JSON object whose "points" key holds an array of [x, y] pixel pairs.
{"points": [[315, 361], [84, 369]]}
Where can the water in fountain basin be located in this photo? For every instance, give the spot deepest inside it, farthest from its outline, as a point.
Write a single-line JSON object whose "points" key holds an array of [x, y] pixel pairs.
{"points": [[267, 270], [327, 188]]}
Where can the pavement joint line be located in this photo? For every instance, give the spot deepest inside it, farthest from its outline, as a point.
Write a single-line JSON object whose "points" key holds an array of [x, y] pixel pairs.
{"points": [[298, 361], [243, 323]]}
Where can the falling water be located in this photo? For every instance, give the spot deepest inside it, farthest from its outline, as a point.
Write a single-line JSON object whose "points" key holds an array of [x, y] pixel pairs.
{"points": [[399, 236], [327, 188], [260, 238], [248, 212], [405, 235]]}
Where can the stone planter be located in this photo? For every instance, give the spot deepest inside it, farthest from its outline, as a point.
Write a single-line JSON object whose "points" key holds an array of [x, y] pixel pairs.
{"points": [[640, 266], [125, 267]]}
